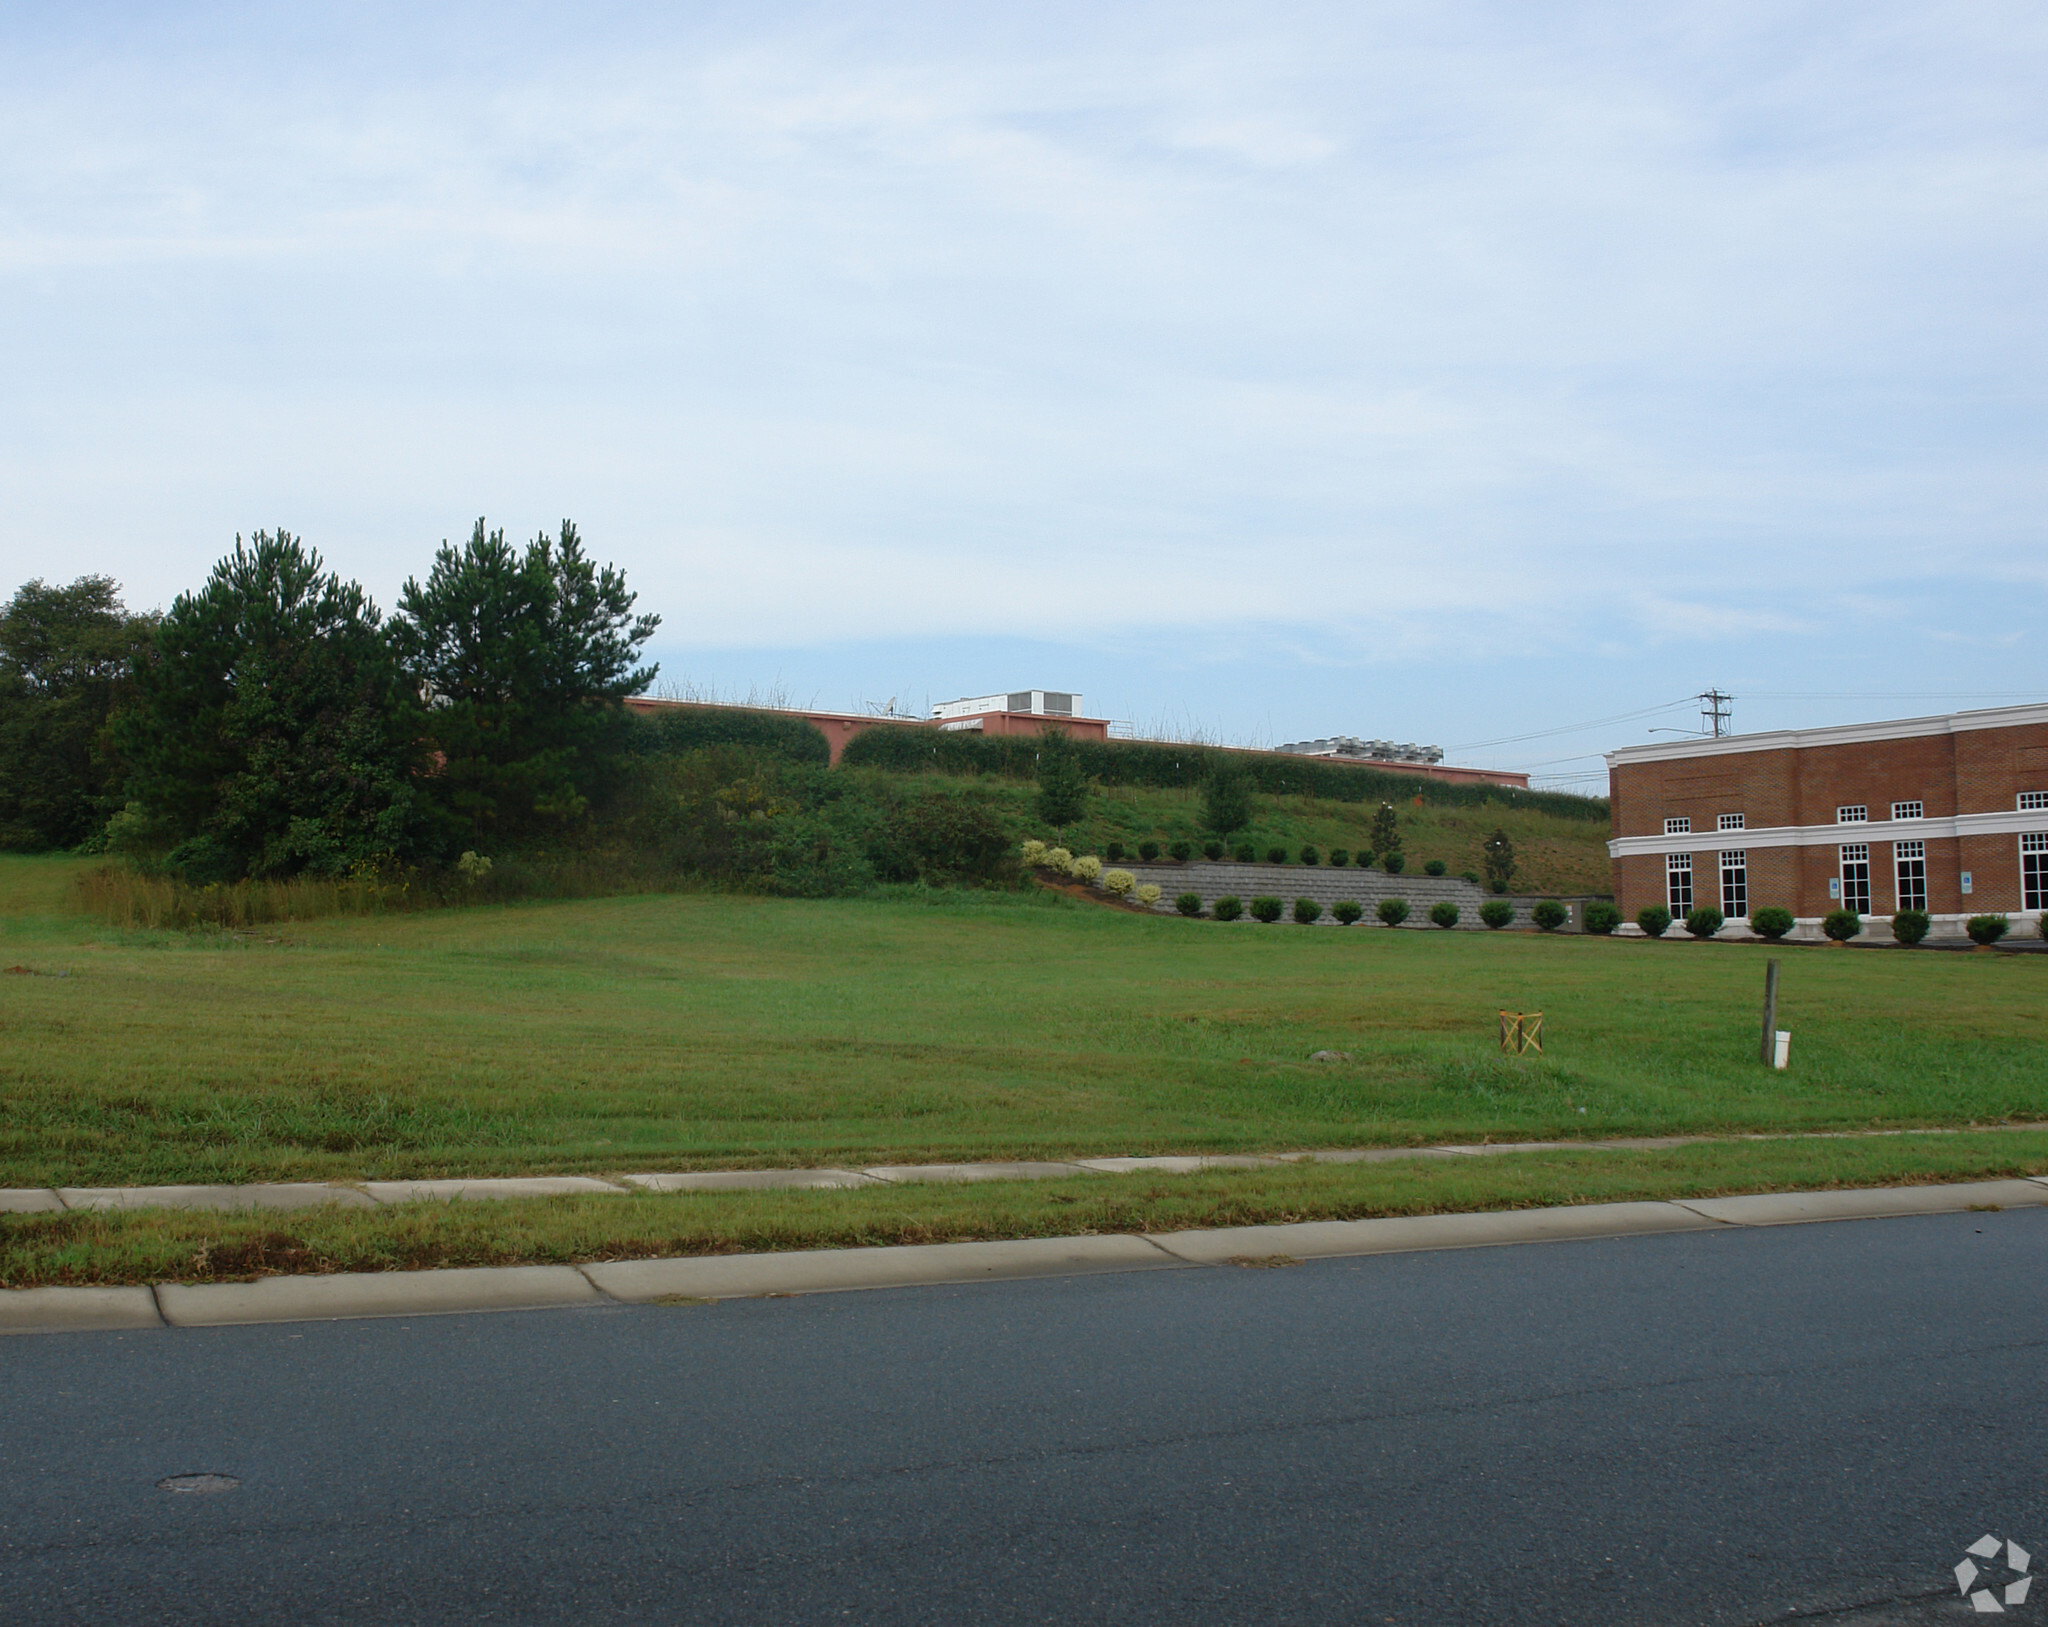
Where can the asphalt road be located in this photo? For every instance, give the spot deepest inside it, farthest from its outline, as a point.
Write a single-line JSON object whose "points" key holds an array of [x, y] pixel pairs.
{"points": [[1731, 1427]]}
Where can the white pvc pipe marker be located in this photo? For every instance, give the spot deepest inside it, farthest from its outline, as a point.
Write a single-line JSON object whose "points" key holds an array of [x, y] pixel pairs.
{"points": [[1782, 1052]]}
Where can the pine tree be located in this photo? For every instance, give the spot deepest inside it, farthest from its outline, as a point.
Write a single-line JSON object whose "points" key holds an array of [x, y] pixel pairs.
{"points": [[1226, 801], [1386, 831], [1500, 860], [1062, 787]]}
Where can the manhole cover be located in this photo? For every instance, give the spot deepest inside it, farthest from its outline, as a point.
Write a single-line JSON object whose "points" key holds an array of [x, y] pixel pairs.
{"points": [[198, 1482]]}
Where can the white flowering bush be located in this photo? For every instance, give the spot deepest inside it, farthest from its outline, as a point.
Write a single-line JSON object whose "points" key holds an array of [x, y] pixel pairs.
{"points": [[1058, 858], [1118, 882], [1148, 895], [1087, 868], [1034, 854]]}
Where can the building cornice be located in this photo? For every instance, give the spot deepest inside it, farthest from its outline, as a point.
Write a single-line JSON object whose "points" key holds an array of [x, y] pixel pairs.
{"points": [[2004, 823], [1909, 728]]}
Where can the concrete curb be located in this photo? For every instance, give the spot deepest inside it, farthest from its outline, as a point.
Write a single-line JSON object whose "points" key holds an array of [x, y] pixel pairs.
{"points": [[816, 1271]]}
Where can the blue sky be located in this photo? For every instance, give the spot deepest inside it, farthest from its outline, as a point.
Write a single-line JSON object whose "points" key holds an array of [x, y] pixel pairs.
{"points": [[1446, 372]]}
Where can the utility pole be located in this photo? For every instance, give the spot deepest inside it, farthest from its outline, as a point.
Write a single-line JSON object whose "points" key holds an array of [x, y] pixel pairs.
{"points": [[1714, 712]]}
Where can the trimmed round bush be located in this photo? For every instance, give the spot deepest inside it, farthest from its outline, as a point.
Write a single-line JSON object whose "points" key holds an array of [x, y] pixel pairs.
{"points": [[1212, 851], [1148, 894], [1034, 854], [1245, 853], [1147, 852], [1058, 858], [1443, 913], [1118, 882], [1347, 911], [1267, 910], [1393, 911], [1471, 876], [1395, 862], [1771, 922], [1704, 922], [1114, 853], [1497, 913], [1311, 855], [1602, 918], [1548, 915], [1276, 855], [1307, 911], [1910, 926], [1435, 867], [1340, 857], [1364, 857], [1227, 908], [1841, 925], [1499, 884], [1182, 852], [1985, 930], [1087, 868], [1655, 921], [1189, 904]]}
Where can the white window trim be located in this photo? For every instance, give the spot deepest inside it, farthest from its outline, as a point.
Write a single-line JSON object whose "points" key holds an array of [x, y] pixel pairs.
{"points": [[1681, 825], [1909, 810], [1853, 814]]}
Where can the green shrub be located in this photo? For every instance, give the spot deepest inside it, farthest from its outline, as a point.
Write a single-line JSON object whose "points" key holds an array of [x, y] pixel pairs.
{"points": [[1212, 851], [1841, 925], [1118, 882], [1396, 862], [1548, 915], [1307, 911], [1147, 894], [1497, 913], [1987, 929], [1340, 856], [1704, 922], [1226, 801], [1182, 852], [1310, 854], [1910, 926], [1266, 909], [1364, 858], [1499, 860], [1435, 867], [1602, 918], [1189, 904], [1147, 852], [1471, 876], [1347, 911], [1444, 913], [1771, 922], [1656, 920], [1245, 853], [1114, 852], [1393, 911], [1498, 885], [2043, 923], [1088, 868], [1227, 908], [1276, 855]]}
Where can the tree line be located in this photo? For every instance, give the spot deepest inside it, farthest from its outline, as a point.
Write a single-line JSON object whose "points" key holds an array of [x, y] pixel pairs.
{"points": [[275, 722]]}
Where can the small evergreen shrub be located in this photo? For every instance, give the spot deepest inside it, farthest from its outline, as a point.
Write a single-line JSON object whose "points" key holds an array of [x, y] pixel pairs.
{"points": [[1393, 911], [1182, 852], [1148, 895], [1602, 918], [2043, 923], [1549, 915], [1058, 858], [1499, 884], [1034, 854], [1246, 853], [1986, 930], [1497, 913], [1396, 862], [1310, 854], [1364, 858], [1307, 911], [1147, 852], [1910, 926], [1276, 855], [1704, 922], [1443, 913], [1435, 867], [1212, 851], [1771, 922], [1087, 868], [1655, 921], [1189, 904], [1347, 911], [1118, 882], [1114, 853], [1340, 856], [1841, 925], [1471, 876], [1266, 909], [1227, 908]]}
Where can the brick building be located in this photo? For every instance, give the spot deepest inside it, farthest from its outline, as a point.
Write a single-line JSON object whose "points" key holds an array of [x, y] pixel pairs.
{"points": [[1946, 814]]}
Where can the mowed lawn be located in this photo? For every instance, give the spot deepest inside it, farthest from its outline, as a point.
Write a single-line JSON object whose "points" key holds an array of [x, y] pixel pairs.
{"points": [[703, 1030]]}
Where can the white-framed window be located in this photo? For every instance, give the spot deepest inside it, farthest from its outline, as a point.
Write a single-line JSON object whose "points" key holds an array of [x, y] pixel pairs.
{"points": [[2033, 801], [2034, 871], [1856, 877], [1909, 874], [1678, 883], [1728, 822], [1681, 826], [1857, 815], [1735, 884], [1908, 810]]}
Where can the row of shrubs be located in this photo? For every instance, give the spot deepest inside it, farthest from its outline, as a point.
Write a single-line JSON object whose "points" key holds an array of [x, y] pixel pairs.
{"points": [[1495, 913], [1248, 853], [1772, 923]]}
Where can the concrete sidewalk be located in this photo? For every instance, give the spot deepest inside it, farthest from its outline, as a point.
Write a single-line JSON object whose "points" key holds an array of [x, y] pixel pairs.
{"points": [[422, 1293]]}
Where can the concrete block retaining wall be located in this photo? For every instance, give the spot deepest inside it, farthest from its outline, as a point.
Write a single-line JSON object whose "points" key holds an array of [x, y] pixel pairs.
{"points": [[1327, 885]]}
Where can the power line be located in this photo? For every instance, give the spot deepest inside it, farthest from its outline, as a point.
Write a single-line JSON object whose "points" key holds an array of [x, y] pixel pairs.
{"points": [[1575, 728]]}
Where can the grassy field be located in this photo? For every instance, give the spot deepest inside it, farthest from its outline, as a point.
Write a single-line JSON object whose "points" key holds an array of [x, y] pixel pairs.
{"points": [[699, 1030]]}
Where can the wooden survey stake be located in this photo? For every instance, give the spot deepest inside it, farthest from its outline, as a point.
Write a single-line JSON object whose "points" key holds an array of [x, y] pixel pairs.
{"points": [[1767, 1051], [1521, 1031]]}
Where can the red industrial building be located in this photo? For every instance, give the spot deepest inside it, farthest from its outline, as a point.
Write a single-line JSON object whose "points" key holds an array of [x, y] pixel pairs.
{"points": [[1944, 814]]}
